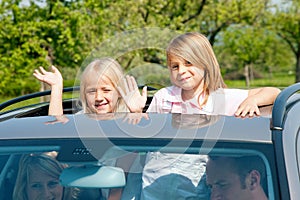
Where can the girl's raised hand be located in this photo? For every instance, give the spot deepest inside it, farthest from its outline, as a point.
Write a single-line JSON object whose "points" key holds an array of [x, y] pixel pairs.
{"points": [[55, 80], [52, 78], [131, 94]]}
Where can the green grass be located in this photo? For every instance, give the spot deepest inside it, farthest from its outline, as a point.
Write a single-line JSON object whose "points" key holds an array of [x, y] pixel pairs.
{"points": [[279, 80]]}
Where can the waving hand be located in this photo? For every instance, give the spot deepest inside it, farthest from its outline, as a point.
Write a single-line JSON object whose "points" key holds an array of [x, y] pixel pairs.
{"points": [[134, 100]]}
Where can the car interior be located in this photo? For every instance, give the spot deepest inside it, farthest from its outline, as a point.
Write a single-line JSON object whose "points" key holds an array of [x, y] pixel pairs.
{"points": [[85, 175]]}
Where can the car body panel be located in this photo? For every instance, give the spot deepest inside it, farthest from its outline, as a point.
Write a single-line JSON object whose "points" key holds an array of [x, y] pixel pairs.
{"points": [[291, 148], [158, 126]]}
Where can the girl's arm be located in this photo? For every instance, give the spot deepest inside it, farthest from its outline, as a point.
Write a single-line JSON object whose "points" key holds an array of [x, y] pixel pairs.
{"points": [[257, 97], [55, 80]]}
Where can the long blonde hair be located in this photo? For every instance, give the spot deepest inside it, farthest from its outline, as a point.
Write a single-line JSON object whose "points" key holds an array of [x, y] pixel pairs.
{"points": [[98, 68], [47, 164], [195, 48]]}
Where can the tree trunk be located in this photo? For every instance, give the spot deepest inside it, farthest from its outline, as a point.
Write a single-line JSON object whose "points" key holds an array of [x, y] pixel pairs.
{"points": [[251, 72], [42, 89], [247, 75]]}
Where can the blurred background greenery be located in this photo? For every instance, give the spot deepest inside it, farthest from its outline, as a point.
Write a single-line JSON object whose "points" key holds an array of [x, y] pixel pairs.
{"points": [[257, 42]]}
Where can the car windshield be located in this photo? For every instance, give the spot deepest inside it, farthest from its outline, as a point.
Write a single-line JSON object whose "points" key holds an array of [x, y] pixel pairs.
{"points": [[95, 156]]}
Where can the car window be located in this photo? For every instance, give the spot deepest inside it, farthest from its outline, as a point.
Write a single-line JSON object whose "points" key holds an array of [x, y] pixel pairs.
{"points": [[8, 174], [136, 166], [3, 160]]}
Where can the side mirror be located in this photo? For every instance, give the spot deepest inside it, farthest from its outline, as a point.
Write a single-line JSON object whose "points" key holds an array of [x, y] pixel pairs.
{"points": [[92, 176]]}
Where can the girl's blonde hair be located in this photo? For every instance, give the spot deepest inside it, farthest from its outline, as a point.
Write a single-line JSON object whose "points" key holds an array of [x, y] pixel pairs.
{"points": [[46, 163], [195, 48], [98, 68]]}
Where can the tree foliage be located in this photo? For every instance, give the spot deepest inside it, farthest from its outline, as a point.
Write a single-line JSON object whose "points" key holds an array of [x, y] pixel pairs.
{"points": [[286, 23], [254, 50], [36, 36], [70, 33]]}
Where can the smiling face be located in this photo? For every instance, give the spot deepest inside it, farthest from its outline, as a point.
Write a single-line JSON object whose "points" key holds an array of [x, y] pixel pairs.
{"points": [[98, 87], [186, 76], [43, 186], [196, 49], [101, 95]]}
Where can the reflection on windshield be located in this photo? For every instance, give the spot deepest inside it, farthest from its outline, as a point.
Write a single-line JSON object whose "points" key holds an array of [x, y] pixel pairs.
{"points": [[187, 121], [226, 173]]}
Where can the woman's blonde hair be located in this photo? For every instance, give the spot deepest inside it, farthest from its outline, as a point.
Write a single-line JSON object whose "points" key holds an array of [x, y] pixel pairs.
{"points": [[98, 68], [195, 48], [46, 163]]}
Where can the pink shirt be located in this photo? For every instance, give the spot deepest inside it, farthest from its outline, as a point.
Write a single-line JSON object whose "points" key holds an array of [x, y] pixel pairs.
{"points": [[220, 102]]}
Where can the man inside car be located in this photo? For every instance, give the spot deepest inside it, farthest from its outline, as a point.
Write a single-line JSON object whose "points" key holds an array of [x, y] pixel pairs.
{"points": [[236, 178]]}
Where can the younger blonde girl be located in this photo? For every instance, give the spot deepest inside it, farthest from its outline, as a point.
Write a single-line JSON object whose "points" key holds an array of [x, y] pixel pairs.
{"points": [[104, 88]]}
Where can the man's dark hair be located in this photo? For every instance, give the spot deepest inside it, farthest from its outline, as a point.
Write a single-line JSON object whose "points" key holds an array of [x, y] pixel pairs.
{"points": [[243, 165]]}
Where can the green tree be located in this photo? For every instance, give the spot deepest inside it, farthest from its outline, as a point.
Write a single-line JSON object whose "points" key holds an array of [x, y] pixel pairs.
{"points": [[251, 48], [246, 44], [70, 33], [286, 23], [219, 15], [35, 36], [209, 17]]}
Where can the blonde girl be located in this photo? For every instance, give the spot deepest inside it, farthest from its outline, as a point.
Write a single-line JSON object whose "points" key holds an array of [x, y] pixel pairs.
{"points": [[198, 88], [104, 88]]}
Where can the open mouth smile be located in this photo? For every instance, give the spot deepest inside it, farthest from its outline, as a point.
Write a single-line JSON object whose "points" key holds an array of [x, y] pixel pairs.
{"points": [[100, 105]]}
